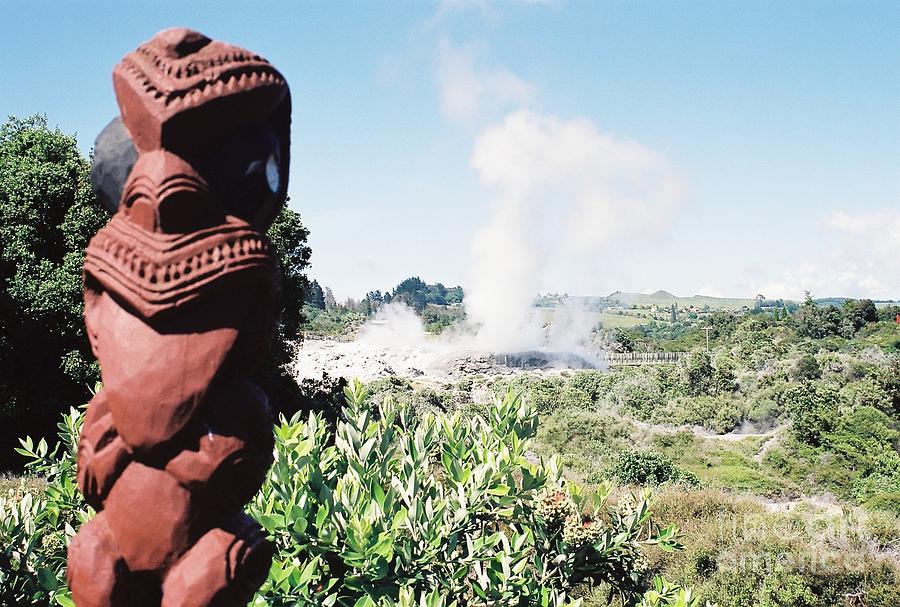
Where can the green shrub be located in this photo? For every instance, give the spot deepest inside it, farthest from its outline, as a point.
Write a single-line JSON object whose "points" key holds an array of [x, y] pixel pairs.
{"points": [[439, 506], [640, 396], [543, 393], [596, 384], [35, 528], [868, 393], [807, 369], [812, 409], [889, 502], [389, 509], [717, 414], [724, 380], [634, 467], [699, 373]]}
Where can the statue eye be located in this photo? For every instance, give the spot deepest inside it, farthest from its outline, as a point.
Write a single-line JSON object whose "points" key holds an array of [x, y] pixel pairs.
{"points": [[272, 176]]}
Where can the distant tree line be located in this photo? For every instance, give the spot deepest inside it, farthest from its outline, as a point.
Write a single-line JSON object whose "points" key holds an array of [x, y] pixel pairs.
{"points": [[324, 316], [816, 321], [413, 291]]}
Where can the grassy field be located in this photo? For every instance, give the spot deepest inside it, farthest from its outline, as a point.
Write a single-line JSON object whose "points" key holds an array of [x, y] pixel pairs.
{"points": [[620, 321]]}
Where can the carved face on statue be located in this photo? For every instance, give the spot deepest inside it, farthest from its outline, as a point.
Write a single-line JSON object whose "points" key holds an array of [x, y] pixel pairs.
{"points": [[181, 298]]}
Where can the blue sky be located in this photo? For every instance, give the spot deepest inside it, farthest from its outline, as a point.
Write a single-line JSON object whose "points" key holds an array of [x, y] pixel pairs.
{"points": [[726, 148]]}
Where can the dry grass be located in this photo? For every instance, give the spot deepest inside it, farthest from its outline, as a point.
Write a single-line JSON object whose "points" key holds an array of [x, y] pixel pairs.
{"points": [[739, 552]]}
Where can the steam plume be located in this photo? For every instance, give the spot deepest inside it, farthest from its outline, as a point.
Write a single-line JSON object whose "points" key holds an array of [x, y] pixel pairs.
{"points": [[564, 191]]}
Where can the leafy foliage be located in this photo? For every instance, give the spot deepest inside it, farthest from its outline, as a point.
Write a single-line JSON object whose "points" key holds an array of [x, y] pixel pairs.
{"points": [[35, 528], [812, 409], [634, 467], [389, 510], [417, 293], [47, 215], [288, 235], [440, 509]]}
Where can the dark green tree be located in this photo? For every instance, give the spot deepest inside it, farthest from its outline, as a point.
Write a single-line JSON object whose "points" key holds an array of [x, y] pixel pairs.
{"points": [[47, 215], [813, 410], [623, 341], [699, 373], [314, 295], [807, 369], [857, 313], [288, 235]]}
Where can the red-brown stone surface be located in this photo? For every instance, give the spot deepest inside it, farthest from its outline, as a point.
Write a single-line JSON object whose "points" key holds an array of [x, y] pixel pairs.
{"points": [[181, 298]]}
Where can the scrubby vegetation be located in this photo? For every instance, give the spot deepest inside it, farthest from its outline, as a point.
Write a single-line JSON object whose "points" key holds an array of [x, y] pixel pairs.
{"points": [[776, 451], [387, 508]]}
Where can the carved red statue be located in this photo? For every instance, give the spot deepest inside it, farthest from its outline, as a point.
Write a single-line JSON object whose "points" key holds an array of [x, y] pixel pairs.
{"points": [[181, 298]]}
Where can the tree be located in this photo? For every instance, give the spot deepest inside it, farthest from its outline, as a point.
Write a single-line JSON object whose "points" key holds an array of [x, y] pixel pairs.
{"points": [[813, 410], [330, 302], [699, 373], [314, 295], [622, 341], [816, 322], [288, 235], [857, 314], [48, 214], [807, 368], [724, 380]]}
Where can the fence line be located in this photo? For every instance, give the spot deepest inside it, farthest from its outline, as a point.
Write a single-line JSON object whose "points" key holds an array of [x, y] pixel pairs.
{"points": [[642, 358]]}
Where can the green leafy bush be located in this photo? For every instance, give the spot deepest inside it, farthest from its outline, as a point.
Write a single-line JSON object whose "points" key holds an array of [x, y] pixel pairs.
{"points": [[35, 528], [715, 413], [889, 502], [641, 396], [389, 509], [699, 373], [812, 409], [47, 215], [807, 368], [634, 467], [440, 509]]}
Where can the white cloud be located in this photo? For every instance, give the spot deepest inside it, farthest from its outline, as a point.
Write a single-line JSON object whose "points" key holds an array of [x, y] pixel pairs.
{"points": [[471, 87], [450, 7], [862, 259]]}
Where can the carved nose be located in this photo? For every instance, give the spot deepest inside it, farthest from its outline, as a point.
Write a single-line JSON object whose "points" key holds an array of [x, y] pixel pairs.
{"points": [[164, 194]]}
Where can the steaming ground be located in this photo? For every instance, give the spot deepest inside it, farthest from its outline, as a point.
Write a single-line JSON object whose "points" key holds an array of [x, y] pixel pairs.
{"points": [[367, 361], [394, 343]]}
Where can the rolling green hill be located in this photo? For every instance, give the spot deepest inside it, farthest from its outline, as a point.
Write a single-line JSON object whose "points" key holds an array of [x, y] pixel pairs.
{"points": [[664, 298]]}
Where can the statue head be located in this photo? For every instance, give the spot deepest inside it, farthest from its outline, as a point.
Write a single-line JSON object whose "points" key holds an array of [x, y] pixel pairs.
{"points": [[204, 132]]}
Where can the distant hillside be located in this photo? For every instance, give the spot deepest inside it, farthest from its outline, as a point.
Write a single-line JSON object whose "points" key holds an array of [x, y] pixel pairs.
{"points": [[664, 299], [839, 301]]}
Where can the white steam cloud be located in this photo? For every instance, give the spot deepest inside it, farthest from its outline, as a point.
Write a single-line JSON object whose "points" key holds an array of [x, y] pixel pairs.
{"points": [[564, 191], [471, 86], [394, 325]]}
